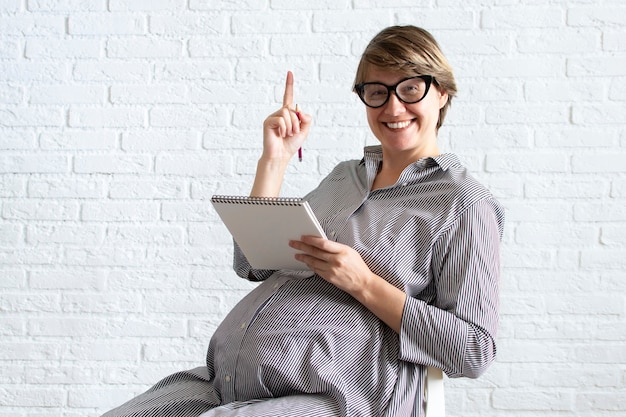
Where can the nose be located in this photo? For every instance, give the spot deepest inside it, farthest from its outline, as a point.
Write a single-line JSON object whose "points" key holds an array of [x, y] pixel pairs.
{"points": [[394, 106]]}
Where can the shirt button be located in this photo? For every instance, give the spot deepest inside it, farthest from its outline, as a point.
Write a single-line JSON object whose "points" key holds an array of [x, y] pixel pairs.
{"points": [[404, 184], [227, 378], [243, 325]]}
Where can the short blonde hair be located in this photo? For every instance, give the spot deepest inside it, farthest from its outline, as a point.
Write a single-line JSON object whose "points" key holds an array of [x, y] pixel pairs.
{"points": [[410, 51]]}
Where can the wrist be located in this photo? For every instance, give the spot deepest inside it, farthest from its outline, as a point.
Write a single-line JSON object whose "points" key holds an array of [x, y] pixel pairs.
{"points": [[367, 289], [272, 164], [383, 299]]}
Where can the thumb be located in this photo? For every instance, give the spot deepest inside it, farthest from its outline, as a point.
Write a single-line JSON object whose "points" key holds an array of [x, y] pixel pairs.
{"points": [[305, 121]]}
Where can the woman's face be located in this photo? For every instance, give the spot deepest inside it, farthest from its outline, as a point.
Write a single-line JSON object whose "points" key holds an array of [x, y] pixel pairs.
{"points": [[410, 129]]}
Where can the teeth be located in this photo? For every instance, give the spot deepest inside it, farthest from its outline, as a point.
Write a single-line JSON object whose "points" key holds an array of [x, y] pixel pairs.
{"points": [[398, 125]]}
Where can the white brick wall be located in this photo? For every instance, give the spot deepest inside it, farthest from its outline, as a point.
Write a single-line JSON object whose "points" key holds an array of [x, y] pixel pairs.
{"points": [[120, 118]]}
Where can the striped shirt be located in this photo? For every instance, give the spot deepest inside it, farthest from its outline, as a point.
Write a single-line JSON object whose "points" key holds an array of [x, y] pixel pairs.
{"points": [[308, 346]]}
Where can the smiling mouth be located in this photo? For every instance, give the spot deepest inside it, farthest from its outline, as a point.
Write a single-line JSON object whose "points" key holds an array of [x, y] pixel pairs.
{"points": [[398, 125]]}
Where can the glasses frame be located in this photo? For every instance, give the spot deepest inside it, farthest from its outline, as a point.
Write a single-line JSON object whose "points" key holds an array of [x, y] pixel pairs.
{"points": [[360, 89]]}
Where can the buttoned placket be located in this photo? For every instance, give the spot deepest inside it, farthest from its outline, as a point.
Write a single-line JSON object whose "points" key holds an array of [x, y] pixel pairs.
{"points": [[229, 364], [231, 383]]}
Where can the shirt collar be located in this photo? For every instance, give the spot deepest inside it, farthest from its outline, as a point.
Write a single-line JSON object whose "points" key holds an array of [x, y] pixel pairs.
{"points": [[445, 160]]}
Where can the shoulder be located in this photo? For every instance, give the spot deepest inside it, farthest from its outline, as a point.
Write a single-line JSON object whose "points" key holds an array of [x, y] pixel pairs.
{"points": [[346, 170], [464, 187], [466, 192], [346, 177], [372, 156]]}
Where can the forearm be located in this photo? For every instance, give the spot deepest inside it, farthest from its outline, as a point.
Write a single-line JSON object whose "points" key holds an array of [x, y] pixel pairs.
{"points": [[429, 335], [435, 337], [269, 177]]}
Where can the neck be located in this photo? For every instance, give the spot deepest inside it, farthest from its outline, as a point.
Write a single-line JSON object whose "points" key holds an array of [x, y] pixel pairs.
{"points": [[393, 164], [397, 161]]}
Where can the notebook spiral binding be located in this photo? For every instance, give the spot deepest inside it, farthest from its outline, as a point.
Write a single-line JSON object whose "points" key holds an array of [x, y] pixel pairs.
{"points": [[266, 201]]}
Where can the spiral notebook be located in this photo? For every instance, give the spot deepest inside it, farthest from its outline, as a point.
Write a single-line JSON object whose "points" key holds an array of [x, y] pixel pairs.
{"points": [[263, 226]]}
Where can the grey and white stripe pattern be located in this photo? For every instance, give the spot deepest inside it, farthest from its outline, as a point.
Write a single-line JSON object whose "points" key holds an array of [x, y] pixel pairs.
{"points": [[298, 346]]}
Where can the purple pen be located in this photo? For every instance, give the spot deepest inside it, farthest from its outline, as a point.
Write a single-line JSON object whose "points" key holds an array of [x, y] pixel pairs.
{"points": [[299, 149]]}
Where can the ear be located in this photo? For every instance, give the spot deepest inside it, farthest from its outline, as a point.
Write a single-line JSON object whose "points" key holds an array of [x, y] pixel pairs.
{"points": [[443, 98]]}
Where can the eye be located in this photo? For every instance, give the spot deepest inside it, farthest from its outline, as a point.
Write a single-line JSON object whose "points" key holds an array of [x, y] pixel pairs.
{"points": [[411, 88], [375, 90]]}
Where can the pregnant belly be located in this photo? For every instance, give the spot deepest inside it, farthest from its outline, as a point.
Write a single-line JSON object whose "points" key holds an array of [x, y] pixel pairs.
{"points": [[313, 338]]}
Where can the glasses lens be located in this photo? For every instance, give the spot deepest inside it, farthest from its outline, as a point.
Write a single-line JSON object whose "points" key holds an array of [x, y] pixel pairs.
{"points": [[374, 95], [412, 90], [409, 91]]}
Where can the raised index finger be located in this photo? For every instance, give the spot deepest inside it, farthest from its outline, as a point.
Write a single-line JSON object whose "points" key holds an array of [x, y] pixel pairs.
{"points": [[288, 96]]}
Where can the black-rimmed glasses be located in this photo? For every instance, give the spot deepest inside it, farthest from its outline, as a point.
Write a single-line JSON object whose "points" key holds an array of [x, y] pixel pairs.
{"points": [[409, 90]]}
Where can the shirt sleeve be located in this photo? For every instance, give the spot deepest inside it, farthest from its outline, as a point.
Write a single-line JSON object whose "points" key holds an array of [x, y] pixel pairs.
{"points": [[243, 268], [456, 331]]}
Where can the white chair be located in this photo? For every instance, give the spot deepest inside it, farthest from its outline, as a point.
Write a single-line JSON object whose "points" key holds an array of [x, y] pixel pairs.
{"points": [[435, 400]]}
